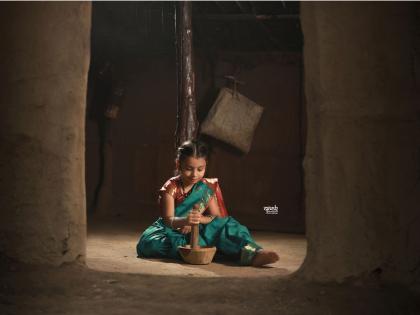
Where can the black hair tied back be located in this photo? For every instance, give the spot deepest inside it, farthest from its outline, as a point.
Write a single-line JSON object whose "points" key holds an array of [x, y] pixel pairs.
{"points": [[192, 148]]}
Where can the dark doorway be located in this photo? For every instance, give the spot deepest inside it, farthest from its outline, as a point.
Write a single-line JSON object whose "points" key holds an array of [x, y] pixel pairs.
{"points": [[258, 42]]}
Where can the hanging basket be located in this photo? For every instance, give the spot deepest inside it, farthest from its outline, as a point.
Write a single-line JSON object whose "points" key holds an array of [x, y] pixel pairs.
{"points": [[233, 119]]}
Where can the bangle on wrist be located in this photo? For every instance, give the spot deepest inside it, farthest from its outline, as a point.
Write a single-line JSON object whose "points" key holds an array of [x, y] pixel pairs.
{"points": [[211, 217], [173, 220]]}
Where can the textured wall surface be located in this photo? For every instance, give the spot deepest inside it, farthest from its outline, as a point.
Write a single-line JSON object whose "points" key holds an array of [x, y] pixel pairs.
{"points": [[363, 142], [44, 61]]}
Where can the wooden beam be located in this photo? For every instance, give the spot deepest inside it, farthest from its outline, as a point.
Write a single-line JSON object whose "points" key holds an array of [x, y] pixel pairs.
{"points": [[187, 124], [247, 17]]}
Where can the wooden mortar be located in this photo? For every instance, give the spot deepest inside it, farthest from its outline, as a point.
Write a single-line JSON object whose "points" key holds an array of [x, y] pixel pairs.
{"points": [[193, 253]]}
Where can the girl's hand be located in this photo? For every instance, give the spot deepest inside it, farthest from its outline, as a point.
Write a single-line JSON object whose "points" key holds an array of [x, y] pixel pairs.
{"points": [[194, 217], [186, 229]]}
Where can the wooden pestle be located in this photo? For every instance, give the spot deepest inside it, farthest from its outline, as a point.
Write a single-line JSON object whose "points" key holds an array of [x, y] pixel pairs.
{"points": [[194, 233], [194, 253], [194, 236]]}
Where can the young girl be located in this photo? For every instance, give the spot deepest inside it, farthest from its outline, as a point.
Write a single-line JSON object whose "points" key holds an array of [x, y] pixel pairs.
{"points": [[189, 198]]}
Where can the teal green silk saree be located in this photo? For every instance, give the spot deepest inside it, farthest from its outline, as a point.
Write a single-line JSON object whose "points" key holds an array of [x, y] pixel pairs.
{"points": [[232, 239]]}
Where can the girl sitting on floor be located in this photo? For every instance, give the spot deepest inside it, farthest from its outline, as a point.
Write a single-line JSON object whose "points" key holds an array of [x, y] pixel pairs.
{"points": [[190, 190]]}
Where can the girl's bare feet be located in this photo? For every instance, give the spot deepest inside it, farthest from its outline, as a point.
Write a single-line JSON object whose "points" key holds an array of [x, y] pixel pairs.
{"points": [[264, 257]]}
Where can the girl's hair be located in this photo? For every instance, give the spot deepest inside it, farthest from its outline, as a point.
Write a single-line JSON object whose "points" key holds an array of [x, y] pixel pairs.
{"points": [[192, 148]]}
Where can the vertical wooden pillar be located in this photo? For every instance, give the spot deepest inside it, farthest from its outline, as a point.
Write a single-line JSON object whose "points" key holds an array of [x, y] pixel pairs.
{"points": [[187, 124]]}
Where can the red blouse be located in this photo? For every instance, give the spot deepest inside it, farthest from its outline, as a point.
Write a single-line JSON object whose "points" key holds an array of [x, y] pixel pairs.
{"points": [[173, 187]]}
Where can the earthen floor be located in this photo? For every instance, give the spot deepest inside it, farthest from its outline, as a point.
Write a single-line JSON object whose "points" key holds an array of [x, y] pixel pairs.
{"points": [[115, 282], [111, 247]]}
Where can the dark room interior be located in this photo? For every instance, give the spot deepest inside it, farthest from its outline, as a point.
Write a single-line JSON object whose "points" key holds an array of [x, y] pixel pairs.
{"points": [[97, 96]]}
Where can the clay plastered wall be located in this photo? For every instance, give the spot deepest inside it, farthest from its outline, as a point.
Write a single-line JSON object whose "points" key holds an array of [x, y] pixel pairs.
{"points": [[362, 162], [44, 61]]}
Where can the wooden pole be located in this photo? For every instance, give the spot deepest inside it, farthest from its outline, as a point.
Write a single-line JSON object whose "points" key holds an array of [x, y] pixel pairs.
{"points": [[187, 124], [194, 236]]}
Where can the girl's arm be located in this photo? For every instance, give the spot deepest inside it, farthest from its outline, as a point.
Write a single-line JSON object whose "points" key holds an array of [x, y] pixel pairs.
{"points": [[214, 211], [167, 208]]}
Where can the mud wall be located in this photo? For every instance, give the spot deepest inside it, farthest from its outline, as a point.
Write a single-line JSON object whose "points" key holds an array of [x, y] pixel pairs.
{"points": [[44, 61], [362, 155]]}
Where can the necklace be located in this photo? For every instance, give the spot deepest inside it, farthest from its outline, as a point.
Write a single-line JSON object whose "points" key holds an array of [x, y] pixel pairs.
{"points": [[183, 193]]}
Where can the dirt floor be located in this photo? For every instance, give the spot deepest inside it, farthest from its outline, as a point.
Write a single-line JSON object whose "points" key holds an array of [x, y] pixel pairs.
{"points": [[114, 284]]}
